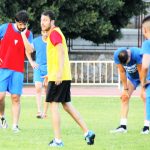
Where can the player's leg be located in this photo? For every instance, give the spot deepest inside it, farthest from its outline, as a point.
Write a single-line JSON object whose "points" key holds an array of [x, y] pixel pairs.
{"points": [[2, 103], [89, 135], [68, 107], [52, 98], [15, 88], [145, 129], [38, 88], [56, 122], [3, 123], [46, 104], [4, 80], [122, 128], [16, 106], [54, 108], [125, 100]]}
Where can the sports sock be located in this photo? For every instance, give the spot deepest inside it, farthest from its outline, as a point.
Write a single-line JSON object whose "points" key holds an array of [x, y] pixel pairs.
{"points": [[146, 123], [123, 121], [14, 125], [58, 140], [86, 133]]}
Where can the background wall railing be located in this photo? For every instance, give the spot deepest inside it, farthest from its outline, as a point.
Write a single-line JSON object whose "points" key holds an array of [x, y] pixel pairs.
{"points": [[85, 73]]}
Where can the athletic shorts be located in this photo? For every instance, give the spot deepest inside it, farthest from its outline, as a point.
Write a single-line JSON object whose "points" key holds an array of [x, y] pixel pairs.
{"points": [[11, 81], [58, 93], [135, 82], [39, 73]]}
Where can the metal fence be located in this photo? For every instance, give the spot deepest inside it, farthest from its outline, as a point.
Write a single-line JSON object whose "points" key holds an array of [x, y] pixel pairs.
{"points": [[85, 73]]}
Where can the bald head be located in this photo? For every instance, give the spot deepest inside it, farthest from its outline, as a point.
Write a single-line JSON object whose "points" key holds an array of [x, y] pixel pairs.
{"points": [[146, 27], [146, 22]]}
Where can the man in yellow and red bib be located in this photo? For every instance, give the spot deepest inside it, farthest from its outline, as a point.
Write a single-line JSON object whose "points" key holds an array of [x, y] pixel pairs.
{"points": [[59, 80]]}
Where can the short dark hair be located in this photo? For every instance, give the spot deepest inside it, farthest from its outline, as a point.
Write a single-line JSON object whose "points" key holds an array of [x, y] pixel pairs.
{"points": [[22, 16], [146, 19], [123, 57], [50, 14]]}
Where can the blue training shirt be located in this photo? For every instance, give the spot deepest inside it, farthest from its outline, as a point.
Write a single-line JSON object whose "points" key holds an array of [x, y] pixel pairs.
{"points": [[146, 50], [40, 48], [131, 67], [3, 29]]}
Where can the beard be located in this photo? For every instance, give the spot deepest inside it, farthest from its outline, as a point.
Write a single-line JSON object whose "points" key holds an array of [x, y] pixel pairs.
{"points": [[46, 29], [21, 29]]}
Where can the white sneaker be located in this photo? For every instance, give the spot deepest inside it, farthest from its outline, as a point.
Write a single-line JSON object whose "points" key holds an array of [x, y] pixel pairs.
{"points": [[53, 143], [3, 123], [16, 129], [120, 129], [145, 130]]}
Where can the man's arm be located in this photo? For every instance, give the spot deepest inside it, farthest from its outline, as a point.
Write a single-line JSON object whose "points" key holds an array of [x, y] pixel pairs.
{"points": [[145, 66], [33, 64], [123, 77], [61, 56], [144, 70], [139, 68], [27, 44]]}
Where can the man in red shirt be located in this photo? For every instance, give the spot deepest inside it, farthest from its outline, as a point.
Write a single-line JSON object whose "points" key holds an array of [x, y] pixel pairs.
{"points": [[16, 40]]}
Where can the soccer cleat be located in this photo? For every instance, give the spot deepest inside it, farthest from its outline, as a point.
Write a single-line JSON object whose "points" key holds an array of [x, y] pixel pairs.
{"points": [[3, 123], [16, 129], [90, 138], [145, 130], [120, 129], [53, 143]]}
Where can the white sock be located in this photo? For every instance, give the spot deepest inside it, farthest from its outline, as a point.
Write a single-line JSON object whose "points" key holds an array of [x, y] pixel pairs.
{"points": [[58, 140], [2, 116], [86, 133], [14, 125], [146, 123], [123, 121]]}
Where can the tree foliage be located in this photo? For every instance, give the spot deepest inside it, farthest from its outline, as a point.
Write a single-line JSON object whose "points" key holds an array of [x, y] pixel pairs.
{"points": [[95, 20]]}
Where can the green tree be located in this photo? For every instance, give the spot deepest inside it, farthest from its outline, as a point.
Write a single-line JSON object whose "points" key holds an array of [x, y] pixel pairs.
{"points": [[95, 20]]}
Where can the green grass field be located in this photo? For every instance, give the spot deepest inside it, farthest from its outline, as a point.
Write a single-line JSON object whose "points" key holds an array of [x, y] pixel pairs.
{"points": [[101, 114]]}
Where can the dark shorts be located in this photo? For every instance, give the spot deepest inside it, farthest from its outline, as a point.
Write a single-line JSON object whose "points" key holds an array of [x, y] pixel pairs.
{"points": [[58, 93]]}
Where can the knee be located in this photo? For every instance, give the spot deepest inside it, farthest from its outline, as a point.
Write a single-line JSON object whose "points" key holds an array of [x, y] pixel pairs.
{"points": [[15, 98], [124, 99], [38, 89]]}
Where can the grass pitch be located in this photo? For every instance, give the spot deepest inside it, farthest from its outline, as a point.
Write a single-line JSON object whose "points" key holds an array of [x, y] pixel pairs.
{"points": [[101, 115]]}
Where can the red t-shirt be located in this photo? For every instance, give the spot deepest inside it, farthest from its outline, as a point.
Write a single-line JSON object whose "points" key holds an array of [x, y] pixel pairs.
{"points": [[55, 38]]}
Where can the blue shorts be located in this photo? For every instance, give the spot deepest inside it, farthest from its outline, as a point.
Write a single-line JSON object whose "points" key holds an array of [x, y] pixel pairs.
{"points": [[39, 73], [11, 81], [135, 82]]}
